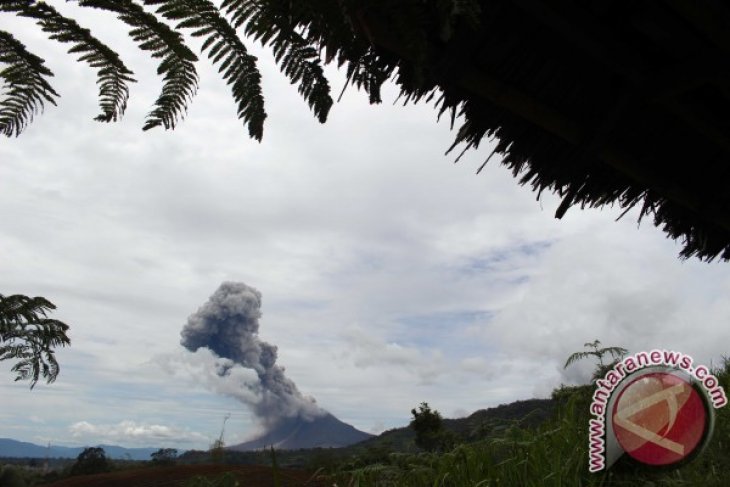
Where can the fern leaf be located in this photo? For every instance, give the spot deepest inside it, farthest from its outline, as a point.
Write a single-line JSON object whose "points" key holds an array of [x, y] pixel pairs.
{"points": [[113, 89], [577, 356], [27, 335], [180, 79], [270, 22], [222, 42], [26, 87]]}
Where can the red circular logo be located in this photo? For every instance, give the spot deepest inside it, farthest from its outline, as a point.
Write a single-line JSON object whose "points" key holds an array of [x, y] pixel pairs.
{"points": [[659, 418]]}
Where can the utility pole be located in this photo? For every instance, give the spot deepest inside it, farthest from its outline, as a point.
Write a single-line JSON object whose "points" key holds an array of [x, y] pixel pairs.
{"points": [[223, 429], [48, 454], [217, 452]]}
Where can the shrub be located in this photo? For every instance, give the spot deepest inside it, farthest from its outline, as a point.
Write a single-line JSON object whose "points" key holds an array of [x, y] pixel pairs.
{"points": [[90, 461]]}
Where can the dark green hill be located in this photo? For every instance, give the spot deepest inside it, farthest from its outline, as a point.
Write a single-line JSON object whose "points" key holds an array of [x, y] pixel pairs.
{"points": [[479, 425]]}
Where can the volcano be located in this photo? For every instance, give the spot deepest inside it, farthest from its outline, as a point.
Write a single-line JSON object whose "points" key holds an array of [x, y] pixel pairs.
{"points": [[296, 433]]}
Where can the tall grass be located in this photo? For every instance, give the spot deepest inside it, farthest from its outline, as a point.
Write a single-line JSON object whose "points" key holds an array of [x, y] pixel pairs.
{"points": [[555, 454], [225, 480]]}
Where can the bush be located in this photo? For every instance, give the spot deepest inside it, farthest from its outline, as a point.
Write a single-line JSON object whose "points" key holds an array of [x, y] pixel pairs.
{"points": [[91, 461], [11, 477], [553, 454], [430, 433], [164, 456]]}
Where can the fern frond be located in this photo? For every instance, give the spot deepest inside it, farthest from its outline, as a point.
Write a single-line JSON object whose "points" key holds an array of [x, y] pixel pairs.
{"points": [[112, 74], [226, 50], [26, 88], [27, 335], [616, 352], [298, 57], [180, 81], [578, 356]]}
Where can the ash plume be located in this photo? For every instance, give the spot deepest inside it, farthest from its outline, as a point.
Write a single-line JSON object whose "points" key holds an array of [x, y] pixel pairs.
{"points": [[228, 325]]}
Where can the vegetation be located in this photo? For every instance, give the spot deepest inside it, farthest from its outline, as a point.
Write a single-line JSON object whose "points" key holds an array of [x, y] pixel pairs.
{"points": [[225, 480], [164, 456], [530, 443], [29, 336], [90, 461], [294, 48], [429, 429], [617, 353], [553, 453], [535, 442], [11, 476], [508, 72]]}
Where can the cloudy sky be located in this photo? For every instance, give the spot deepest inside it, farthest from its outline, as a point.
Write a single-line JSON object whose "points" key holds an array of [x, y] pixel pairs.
{"points": [[389, 274]]}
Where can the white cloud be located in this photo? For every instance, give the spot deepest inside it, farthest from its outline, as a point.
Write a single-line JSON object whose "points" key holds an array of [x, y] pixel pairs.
{"points": [[131, 432], [622, 286], [475, 365], [365, 350]]}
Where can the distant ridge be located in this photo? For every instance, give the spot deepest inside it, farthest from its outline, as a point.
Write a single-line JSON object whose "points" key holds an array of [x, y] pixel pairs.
{"points": [[297, 433], [529, 412], [20, 449]]}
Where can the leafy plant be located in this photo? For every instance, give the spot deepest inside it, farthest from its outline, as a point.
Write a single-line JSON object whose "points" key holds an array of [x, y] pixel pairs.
{"points": [[28, 335], [164, 456], [90, 461], [428, 426], [303, 36], [601, 369], [553, 454]]}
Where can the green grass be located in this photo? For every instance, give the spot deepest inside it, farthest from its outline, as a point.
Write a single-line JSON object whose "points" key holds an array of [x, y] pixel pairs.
{"points": [[554, 454], [225, 480]]}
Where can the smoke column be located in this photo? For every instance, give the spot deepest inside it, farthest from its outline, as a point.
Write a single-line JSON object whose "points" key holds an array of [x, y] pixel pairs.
{"points": [[228, 325]]}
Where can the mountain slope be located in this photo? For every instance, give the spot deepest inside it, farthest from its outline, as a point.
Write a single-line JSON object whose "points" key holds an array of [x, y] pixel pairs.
{"points": [[296, 433]]}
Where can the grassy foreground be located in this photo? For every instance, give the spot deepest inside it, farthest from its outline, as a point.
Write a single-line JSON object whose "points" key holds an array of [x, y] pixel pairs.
{"points": [[554, 454]]}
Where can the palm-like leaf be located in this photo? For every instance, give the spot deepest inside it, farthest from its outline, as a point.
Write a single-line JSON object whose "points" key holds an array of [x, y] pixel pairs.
{"points": [[26, 85], [276, 23], [579, 356], [615, 352], [29, 336], [226, 50], [112, 74], [180, 80]]}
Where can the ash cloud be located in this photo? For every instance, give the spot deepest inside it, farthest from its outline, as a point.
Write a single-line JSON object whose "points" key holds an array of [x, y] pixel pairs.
{"points": [[228, 325]]}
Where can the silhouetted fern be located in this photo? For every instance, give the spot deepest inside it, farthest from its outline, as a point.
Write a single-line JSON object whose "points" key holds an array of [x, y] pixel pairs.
{"points": [[112, 74], [274, 23], [226, 50], [180, 79], [25, 83], [29, 336]]}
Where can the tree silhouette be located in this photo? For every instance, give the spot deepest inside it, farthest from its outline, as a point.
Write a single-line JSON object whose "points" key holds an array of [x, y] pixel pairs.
{"points": [[164, 456], [616, 352], [90, 461], [428, 425], [29, 336]]}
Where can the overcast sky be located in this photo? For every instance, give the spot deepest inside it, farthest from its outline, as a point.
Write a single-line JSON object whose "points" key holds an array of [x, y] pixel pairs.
{"points": [[389, 274]]}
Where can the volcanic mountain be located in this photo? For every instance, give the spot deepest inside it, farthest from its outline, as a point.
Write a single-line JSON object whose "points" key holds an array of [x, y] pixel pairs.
{"points": [[295, 433]]}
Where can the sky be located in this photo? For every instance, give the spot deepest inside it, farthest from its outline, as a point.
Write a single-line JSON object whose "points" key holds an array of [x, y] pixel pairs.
{"points": [[389, 275]]}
